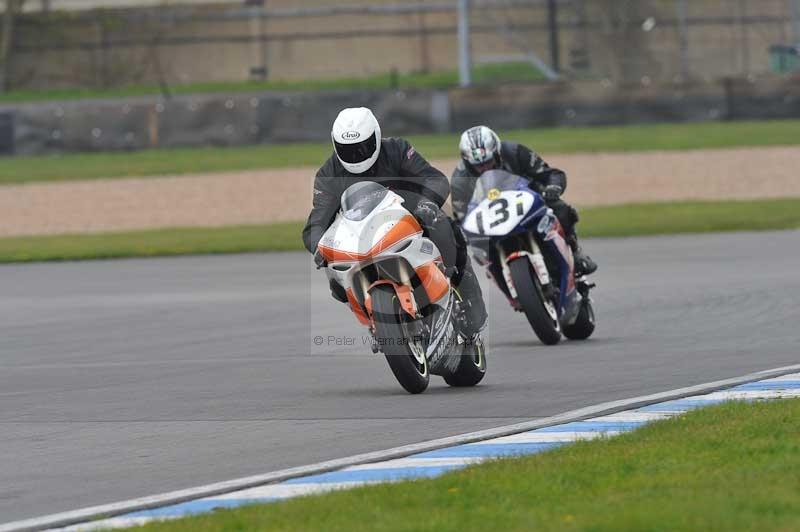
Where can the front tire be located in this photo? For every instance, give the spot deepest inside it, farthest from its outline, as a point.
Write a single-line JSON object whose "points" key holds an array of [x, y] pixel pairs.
{"points": [[405, 357], [531, 299], [472, 367], [584, 323]]}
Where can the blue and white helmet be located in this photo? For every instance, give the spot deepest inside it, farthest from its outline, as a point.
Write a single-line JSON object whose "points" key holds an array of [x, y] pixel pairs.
{"points": [[356, 137], [480, 149]]}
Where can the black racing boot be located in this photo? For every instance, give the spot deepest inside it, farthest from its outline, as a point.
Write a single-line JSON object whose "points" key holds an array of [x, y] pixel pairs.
{"points": [[584, 265], [472, 318]]}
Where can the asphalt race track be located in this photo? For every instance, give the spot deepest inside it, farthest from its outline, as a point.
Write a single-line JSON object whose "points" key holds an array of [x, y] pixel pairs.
{"points": [[121, 379]]}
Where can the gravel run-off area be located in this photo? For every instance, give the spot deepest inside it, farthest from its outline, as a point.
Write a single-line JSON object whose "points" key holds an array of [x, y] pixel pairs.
{"points": [[263, 196]]}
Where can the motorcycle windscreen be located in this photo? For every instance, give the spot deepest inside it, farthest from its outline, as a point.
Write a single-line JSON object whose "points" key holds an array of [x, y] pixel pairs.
{"points": [[360, 199], [491, 182]]}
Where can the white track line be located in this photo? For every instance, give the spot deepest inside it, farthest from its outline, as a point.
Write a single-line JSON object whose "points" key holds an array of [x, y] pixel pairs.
{"points": [[547, 437], [286, 491], [416, 462], [114, 522], [750, 394], [634, 417]]}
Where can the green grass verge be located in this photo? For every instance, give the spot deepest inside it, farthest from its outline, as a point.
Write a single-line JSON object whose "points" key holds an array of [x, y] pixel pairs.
{"points": [[730, 467], [545, 141], [152, 243], [624, 220], [689, 217], [494, 73]]}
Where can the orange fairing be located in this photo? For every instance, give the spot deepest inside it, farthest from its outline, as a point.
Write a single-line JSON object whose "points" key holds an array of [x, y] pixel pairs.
{"points": [[406, 299], [433, 280], [356, 308], [407, 226], [404, 294]]}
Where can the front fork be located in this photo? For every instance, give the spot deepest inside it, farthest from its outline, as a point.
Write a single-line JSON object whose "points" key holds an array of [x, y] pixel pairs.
{"points": [[571, 306], [534, 256]]}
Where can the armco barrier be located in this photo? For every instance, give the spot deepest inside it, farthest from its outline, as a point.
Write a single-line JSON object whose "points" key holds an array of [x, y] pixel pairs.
{"points": [[268, 118]]}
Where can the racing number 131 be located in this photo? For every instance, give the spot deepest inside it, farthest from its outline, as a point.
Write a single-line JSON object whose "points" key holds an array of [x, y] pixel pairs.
{"points": [[501, 215]]}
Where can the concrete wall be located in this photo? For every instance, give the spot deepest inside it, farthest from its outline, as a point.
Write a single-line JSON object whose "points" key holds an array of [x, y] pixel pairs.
{"points": [[131, 124]]}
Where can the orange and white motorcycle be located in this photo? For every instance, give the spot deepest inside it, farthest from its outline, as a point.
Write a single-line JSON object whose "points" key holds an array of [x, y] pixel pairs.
{"points": [[394, 281]]}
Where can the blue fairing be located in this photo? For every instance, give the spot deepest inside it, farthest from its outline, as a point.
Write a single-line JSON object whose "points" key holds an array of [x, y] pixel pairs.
{"points": [[563, 268], [499, 180]]}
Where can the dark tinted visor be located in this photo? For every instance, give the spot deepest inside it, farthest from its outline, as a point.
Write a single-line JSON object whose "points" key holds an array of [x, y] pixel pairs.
{"points": [[486, 166], [358, 152]]}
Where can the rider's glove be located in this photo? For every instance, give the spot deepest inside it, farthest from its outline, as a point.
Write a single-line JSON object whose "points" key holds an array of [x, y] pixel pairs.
{"points": [[319, 260], [552, 192]]}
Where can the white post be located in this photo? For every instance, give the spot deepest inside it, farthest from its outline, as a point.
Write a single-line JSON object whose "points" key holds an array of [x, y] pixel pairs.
{"points": [[464, 60]]}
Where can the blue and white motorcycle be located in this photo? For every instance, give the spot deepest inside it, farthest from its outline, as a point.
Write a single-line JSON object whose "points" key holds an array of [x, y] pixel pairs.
{"points": [[513, 233]]}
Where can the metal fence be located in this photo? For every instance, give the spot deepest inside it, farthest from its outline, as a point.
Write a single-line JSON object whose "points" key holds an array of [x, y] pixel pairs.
{"points": [[621, 41]]}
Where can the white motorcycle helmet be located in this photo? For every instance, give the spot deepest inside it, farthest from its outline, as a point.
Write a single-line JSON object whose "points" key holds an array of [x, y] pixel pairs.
{"points": [[356, 137], [480, 149]]}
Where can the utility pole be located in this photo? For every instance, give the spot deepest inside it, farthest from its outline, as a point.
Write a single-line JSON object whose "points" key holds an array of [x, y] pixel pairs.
{"points": [[552, 17], [13, 7], [744, 39], [464, 59], [683, 35], [258, 37]]}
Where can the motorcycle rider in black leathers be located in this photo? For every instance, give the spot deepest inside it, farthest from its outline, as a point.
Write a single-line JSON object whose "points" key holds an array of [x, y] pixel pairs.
{"points": [[361, 154], [481, 151]]}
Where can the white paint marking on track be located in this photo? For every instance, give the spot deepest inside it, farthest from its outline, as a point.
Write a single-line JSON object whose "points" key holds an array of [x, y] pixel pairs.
{"points": [[548, 437], [418, 462], [114, 522], [286, 491], [734, 395], [634, 417], [792, 377]]}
